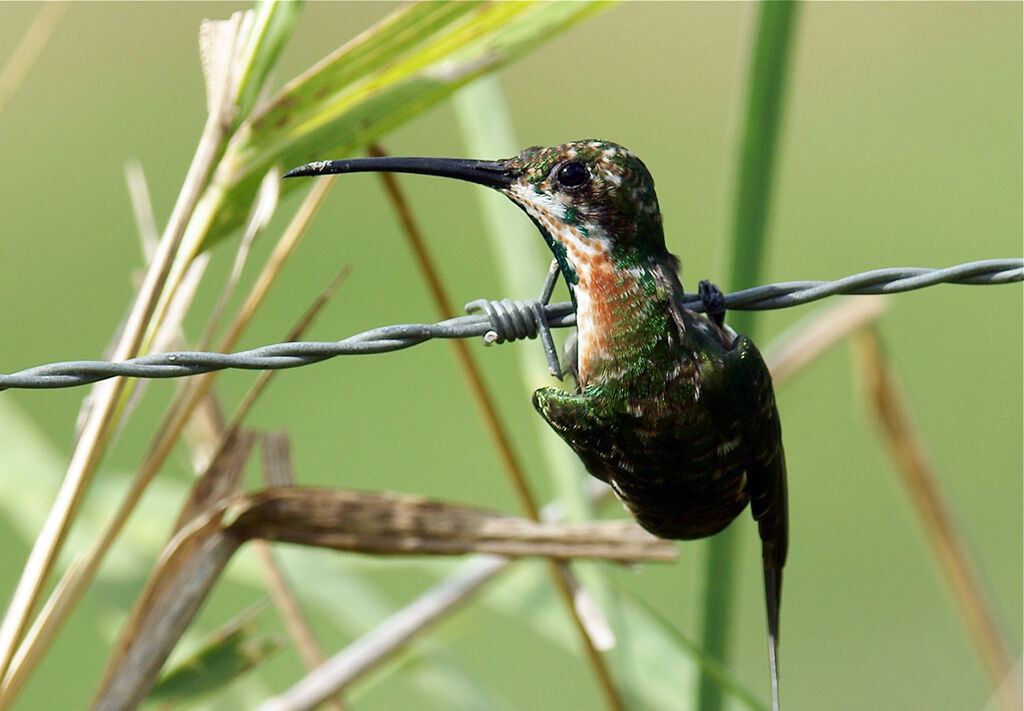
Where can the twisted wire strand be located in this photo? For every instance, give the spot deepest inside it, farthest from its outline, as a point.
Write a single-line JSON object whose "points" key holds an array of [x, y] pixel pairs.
{"points": [[877, 281], [502, 320]]}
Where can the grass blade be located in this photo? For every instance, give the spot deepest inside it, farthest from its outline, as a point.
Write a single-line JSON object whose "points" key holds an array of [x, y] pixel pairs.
{"points": [[917, 473], [522, 260], [765, 94], [28, 49], [410, 61], [272, 29], [753, 194], [229, 654]]}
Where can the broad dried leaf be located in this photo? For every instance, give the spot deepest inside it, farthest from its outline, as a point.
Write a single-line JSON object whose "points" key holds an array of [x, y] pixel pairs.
{"points": [[386, 523], [178, 585], [221, 480]]}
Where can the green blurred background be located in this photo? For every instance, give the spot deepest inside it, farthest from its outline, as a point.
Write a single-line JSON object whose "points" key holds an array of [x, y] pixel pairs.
{"points": [[901, 145]]}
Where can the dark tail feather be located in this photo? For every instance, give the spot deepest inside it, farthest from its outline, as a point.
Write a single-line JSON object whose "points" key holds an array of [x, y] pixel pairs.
{"points": [[773, 598]]}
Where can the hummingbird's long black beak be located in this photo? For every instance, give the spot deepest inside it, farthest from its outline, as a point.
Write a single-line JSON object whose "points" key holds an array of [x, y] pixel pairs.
{"points": [[493, 174]]}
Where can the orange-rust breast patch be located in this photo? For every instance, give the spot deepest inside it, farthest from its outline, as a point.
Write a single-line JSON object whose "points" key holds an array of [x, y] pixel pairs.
{"points": [[606, 300]]}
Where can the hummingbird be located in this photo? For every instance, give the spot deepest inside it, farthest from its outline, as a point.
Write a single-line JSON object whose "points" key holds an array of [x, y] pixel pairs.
{"points": [[672, 409]]}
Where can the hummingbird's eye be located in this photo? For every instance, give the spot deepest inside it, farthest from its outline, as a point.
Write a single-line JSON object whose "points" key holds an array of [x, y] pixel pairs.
{"points": [[572, 175]]}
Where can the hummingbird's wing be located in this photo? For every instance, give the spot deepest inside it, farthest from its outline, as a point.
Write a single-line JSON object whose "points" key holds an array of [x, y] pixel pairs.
{"points": [[766, 478], [577, 421]]}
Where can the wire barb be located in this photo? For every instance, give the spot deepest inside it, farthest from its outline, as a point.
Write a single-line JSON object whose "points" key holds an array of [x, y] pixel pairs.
{"points": [[512, 320], [506, 319]]}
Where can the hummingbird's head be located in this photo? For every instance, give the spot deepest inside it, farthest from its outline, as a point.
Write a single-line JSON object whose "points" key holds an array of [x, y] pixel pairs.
{"points": [[593, 201]]}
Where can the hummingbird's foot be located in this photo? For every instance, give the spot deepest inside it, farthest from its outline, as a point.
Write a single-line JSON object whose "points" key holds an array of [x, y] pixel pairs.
{"points": [[713, 300], [549, 283], [570, 351], [550, 353]]}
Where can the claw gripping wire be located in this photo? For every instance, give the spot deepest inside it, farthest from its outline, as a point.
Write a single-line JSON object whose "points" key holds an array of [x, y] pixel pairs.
{"points": [[506, 320]]}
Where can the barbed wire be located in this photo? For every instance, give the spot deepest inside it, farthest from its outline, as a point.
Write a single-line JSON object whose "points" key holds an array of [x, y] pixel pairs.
{"points": [[501, 320]]}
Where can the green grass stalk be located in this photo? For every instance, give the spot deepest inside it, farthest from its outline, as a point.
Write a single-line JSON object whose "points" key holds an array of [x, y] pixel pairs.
{"points": [[765, 94]]}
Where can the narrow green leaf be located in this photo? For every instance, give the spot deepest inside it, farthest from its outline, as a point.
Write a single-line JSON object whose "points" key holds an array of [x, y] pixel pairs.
{"points": [[522, 261], [228, 655], [655, 664], [410, 61], [765, 94], [275, 21], [666, 661]]}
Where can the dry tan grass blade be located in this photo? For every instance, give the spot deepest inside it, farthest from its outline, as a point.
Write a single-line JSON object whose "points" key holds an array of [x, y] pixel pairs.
{"points": [[917, 473], [277, 459], [1012, 684], [146, 313], [793, 351], [180, 582], [28, 49], [595, 633], [388, 638], [220, 44], [72, 587], [222, 479], [277, 472]]}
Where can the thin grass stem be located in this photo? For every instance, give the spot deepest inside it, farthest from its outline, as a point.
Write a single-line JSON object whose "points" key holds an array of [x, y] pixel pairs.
{"points": [[29, 48], [914, 467], [560, 572], [75, 582], [765, 93]]}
